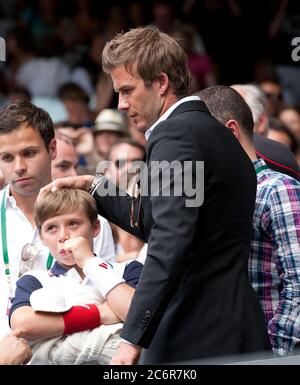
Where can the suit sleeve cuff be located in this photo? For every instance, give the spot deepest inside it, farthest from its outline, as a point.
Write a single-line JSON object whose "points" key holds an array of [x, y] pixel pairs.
{"points": [[129, 343]]}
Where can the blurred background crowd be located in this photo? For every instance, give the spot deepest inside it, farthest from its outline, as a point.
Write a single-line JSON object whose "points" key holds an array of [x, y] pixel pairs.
{"points": [[51, 43], [53, 58]]}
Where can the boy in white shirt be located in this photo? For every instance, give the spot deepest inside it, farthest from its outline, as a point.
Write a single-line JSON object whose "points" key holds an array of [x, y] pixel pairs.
{"points": [[56, 304], [27, 147]]}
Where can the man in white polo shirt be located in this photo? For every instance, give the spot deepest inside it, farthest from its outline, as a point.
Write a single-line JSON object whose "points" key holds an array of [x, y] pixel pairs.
{"points": [[27, 147]]}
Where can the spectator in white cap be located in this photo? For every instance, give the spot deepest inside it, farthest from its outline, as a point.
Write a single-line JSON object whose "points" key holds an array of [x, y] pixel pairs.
{"points": [[110, 127]]}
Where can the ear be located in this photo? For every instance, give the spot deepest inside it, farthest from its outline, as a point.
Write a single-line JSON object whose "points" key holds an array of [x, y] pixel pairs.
{"points": [[52, 149], [234, 128], [164, 83], [96, 228]]}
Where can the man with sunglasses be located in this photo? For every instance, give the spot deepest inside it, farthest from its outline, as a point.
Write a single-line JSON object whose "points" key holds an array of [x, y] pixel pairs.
{"points": [[194, 299], [124, 157]]}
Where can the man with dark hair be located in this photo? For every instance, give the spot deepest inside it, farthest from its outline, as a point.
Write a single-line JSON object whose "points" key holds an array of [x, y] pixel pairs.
{"points": [[25, 114], [27, 147], [194, 299], [274, 263], [124, 156]]}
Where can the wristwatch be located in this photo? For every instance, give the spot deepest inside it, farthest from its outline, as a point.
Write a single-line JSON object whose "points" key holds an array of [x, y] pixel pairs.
{"points": [[96, 182]]}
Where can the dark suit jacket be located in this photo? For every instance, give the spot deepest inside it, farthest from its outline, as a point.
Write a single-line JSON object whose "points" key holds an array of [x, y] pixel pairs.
{"points": [[194, 299]]}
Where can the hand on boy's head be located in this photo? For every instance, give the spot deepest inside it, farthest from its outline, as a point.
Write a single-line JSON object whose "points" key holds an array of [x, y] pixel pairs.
{"points": [[82, 182], [80, 249]]}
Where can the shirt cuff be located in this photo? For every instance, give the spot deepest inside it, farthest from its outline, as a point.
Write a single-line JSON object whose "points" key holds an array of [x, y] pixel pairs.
{"points": [[129, 343]]}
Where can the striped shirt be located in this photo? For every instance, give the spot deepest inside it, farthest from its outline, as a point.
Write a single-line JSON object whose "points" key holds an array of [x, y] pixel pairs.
{"points": [[274, 264]]}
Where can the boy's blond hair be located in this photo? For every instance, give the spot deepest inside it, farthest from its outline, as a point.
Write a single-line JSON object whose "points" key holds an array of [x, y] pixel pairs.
{"points": [[62, 202]]}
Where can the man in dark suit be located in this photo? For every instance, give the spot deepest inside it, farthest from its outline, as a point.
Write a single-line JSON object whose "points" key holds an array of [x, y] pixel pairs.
{"points": [[194, 299]]}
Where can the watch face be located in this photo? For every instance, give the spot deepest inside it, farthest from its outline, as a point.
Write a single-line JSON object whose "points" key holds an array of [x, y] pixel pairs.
{"points": [[95, 183]]}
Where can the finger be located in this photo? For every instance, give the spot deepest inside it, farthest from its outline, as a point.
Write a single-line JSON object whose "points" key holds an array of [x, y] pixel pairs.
{"points": [[116, 362], [28, 356], [68, 245], [17, 332], [27, 360], [59, 183], [41, 194], [68, 250], [56, 185], [67, 182], [44, 189]]}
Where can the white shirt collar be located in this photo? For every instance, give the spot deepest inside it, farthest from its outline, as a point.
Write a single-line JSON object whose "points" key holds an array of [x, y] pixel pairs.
{"points": [[166, 114]]}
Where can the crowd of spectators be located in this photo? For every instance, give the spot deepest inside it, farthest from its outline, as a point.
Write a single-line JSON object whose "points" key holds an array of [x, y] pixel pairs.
{"points": [[53, 51]]}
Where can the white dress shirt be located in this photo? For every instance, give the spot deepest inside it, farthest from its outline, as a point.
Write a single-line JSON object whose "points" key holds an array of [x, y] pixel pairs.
{"points": [[166, 114]]}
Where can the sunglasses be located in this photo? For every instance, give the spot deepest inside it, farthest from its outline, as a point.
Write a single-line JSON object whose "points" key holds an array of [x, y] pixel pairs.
{"points": [[120, 163], [271, 96], [136, 199]]}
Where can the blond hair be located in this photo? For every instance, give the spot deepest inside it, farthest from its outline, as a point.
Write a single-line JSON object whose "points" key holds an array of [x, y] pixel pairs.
{"points": [[149, 52], [63, 201]]}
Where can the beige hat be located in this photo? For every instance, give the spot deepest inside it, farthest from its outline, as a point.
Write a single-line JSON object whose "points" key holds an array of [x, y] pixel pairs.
{"points": [[111, 120]]}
